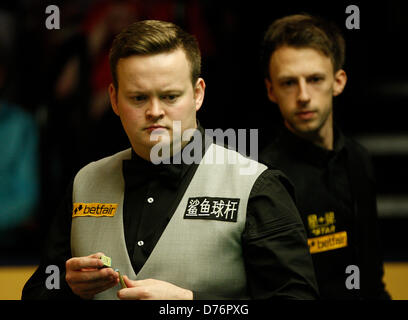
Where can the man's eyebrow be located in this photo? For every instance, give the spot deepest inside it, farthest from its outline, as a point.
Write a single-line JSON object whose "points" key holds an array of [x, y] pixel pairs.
{"points": [[286, 77], [290, 77], [171, 91], [139, 92], [317, 74], [130, 92]]}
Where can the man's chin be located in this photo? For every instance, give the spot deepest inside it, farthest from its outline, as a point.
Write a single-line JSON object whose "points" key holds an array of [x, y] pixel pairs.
{"points": [[304, 129], [307, 129]]}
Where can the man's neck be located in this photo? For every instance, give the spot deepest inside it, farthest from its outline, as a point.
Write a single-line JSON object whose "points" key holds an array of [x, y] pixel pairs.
{"points": [[326, 140]]}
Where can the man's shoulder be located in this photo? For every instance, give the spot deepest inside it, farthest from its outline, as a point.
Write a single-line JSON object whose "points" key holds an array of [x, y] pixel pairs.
{"points": [[353, 143], [233, 161], [107, 163], [273, 175], [227, 153], [273, 155], [357, 149]]}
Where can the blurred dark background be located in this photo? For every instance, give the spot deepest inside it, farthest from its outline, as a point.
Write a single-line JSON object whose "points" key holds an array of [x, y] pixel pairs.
{"points": [[60, 77]]}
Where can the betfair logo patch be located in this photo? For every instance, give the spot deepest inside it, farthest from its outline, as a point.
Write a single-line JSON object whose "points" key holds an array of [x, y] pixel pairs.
{"points": [[94, 209], [328, 242]]}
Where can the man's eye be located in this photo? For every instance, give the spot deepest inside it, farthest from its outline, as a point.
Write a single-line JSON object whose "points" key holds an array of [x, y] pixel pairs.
{"points": [[170, 97], [288, 83], [316, 79], [139, 98]]}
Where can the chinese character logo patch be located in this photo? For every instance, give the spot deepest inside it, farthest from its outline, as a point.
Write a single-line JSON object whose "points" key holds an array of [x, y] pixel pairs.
{"points": [[221, 209]]}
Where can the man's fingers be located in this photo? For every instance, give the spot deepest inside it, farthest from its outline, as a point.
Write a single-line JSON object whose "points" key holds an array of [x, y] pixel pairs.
{"points": [[136, 283], [92, 288], [129, 283], [153, 289], [96, 255], [106, 274], [132, 293], [84, 262], [86, 277], [88, 283], [126, 294], [134, 290]]}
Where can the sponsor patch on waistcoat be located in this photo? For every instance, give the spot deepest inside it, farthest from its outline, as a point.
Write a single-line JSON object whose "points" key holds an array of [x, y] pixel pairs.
{"points": [[94, 209], [329, 242], [221, 209], [322, 228]]}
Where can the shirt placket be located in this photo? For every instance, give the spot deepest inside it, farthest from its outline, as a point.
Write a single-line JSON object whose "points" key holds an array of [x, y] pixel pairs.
{"points": [[139, 252]]}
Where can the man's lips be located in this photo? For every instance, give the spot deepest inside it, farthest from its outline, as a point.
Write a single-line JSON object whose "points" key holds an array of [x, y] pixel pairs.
{"points": [[154, 127], [305, 115]]}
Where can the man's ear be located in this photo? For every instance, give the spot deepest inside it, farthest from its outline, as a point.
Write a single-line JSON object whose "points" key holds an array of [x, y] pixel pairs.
{"points": [[113, 98], [269, 90], [340, 80], [199, 92]]}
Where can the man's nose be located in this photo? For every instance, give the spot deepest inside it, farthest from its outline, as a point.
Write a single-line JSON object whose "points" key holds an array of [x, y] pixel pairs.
{"points": [[303, 97], [154, 109]]}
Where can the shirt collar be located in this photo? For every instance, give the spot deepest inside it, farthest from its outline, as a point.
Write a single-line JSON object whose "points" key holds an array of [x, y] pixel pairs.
{"points": [[309, 151]]}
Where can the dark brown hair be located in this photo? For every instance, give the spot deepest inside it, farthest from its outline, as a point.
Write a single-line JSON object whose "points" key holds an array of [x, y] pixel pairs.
{"points": [[304, 31], [152, 37]]}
